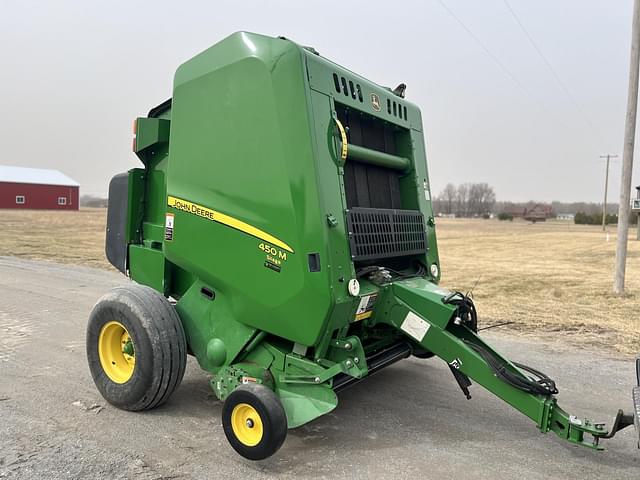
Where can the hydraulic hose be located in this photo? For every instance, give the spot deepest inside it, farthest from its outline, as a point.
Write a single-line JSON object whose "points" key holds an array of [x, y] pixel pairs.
{"points": [[541, 385]]}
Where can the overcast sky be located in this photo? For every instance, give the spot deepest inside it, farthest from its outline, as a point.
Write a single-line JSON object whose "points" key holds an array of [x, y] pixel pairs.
{"points": [[74, 74]]}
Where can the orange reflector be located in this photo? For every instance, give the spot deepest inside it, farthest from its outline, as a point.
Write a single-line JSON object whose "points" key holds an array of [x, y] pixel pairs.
{"points": [[135, 132]]}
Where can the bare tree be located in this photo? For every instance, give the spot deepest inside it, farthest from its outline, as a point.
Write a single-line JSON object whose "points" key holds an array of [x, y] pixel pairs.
{"points": [[448, 198], [474, 199], [481, 198], [462, 199]]}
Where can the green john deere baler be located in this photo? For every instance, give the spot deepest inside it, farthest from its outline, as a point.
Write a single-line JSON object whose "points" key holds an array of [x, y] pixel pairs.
{"points": [[281, 231]]}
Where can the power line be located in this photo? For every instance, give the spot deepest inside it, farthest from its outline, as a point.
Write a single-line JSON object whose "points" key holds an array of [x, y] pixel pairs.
{"points": [[555, 75], [495, 59], [515, 79]]}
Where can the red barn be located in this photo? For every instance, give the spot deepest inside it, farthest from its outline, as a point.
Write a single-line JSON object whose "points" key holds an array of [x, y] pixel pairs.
{"points": [[37, 188]]}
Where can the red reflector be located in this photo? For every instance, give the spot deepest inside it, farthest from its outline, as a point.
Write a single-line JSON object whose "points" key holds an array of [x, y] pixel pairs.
{"points": [[135, 131]]}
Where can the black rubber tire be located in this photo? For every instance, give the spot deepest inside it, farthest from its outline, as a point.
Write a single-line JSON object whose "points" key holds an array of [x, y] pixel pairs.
{"points": [[272, 415], [159, 341]]}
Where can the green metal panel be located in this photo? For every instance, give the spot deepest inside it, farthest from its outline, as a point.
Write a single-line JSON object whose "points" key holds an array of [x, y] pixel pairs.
{"points": [[135, 205], [321, 70], [150, 134], [147, 266], [245, 152], [206, 320], [418, 187]]}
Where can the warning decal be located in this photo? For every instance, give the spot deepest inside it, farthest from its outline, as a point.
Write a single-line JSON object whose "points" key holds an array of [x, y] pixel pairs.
{"points": [[365, 308], [415, 326], [168, 227]]}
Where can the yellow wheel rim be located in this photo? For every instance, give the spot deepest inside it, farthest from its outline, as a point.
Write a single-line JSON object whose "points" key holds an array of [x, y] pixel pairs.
{"points": [[116, 352], [246, 424]]}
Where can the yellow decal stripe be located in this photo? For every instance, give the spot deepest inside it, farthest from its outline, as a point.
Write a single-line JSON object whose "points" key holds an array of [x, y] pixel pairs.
{"points": [[227, 220], [343, 139], [363, 315]]}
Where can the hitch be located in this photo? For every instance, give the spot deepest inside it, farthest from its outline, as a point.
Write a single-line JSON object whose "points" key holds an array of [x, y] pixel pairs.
{"points": [[573, 429], [621, 421], [419, 310]]}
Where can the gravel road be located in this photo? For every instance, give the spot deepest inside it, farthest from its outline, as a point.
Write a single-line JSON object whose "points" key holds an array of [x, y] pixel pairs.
{"points": [[409, 421]]}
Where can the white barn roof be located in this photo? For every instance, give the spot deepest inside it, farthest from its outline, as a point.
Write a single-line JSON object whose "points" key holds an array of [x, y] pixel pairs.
{"points": [[41, 176]]}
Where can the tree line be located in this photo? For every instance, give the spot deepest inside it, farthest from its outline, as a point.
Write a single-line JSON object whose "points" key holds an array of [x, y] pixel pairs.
{"points": [[583, 218], [478, 199], [466, 199]]}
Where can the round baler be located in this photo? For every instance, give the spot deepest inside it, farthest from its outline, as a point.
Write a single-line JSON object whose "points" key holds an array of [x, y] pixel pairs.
{"points": [[281, 231]]}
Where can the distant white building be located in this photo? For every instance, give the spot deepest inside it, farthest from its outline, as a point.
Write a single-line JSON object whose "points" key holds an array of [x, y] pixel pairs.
{"points": [[565, 216]]}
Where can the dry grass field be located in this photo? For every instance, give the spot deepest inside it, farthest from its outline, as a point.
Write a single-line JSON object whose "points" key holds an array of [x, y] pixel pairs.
{"points": [[551, 279], [57, 236]]}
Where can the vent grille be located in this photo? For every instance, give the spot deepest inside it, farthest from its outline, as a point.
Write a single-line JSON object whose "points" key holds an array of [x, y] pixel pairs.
{"points": [[396, 109], [350, 89], [347, 87], [381, 233]]}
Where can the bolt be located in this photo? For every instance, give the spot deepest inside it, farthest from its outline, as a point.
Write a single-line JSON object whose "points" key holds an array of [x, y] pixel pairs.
{"points": [[249, 423], [317, 379], [348, 363], [356, 360], [347, 346]]}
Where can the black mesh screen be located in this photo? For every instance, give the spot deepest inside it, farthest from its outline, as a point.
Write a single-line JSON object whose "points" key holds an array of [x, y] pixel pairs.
{"points": [[381, 233], [369, 185]]}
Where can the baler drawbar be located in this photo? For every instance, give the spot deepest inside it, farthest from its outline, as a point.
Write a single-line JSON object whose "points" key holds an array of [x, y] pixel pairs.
{"points": [[281, 231]]}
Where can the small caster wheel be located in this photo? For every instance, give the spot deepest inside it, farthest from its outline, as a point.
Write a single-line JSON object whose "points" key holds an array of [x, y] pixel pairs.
{"points": [[254, 421]]}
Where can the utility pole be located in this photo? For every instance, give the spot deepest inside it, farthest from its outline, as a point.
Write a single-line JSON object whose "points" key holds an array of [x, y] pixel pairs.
{"points": [[627, 154], [606, 188]]}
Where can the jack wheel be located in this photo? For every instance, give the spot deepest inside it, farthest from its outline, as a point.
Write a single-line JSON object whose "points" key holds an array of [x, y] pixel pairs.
{"points": [[136, 347], [254, 421]]}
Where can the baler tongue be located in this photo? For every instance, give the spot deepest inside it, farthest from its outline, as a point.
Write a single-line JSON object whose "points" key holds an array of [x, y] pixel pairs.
{"points": [[445, 324]]}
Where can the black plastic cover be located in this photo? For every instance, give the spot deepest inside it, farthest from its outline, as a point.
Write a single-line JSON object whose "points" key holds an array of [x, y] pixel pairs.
{"points": [[160, 109], [116, 237]]}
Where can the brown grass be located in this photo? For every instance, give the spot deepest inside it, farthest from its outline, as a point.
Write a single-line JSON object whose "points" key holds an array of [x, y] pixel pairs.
{"points": [[552, 279], [60, 236]]}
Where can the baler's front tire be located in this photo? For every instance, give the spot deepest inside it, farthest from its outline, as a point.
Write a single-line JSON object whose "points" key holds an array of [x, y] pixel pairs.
{"points": [[254, 421], [136, 347]]}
